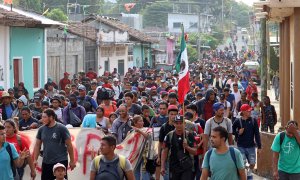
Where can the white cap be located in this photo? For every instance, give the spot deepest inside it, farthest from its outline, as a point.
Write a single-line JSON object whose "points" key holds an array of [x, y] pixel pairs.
{"points": [[57, 166], [115, 79]]}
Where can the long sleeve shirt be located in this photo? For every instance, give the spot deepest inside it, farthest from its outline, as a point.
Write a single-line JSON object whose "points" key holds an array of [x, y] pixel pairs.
{"points": [[251, 133]]}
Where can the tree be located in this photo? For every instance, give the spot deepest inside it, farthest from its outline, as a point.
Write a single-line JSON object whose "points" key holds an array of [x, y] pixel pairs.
{"points": [[156, 14], [57, 15], [274, 60], [29, 5], [192, 53]]}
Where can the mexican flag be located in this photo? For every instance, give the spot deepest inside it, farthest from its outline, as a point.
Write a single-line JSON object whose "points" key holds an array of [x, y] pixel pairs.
{"points": [[182, 68]]}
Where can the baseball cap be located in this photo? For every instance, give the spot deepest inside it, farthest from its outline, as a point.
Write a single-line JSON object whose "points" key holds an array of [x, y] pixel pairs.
{"points": [[246, 107], [172, 107], [178, 119], [188, 115], [5, 94], [66, 74], [115, 80], [58, 165], [81, 87], [218, 106], [37, 96]]}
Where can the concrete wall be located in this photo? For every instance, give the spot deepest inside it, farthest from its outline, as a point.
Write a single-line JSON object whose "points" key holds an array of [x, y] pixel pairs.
{"points": [[264, 159], [112, 58], [56, 54], [113, 36], [140, 53], [27, 43], [4, 57]]}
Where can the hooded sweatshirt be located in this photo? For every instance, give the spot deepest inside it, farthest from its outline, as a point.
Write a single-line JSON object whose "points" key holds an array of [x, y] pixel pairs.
{"points": [[201, 103]]}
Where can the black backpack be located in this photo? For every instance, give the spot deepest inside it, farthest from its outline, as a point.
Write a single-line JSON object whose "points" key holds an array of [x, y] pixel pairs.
{"points": [[105, 93]]}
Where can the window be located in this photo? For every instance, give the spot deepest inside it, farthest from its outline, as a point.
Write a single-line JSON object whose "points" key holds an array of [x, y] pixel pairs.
{"points": [[121, 67], [107, 51], [120, 51], [130, 58], [36, 72], [106, 65], [176, 24], [193, 25], [18, 74]]}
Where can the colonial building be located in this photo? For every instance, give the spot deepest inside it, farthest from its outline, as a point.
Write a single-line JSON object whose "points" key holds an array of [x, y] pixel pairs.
{"points": [[23, 56]]}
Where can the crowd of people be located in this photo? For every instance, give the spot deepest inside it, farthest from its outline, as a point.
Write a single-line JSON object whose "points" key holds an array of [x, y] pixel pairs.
{"points": [[221, 109]]}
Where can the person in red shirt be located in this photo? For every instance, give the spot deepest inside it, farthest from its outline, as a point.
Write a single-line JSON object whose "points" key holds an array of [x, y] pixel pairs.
{"points": [[252, 88], [21, 144], [64, 81], [106, 83], [91, 74]]}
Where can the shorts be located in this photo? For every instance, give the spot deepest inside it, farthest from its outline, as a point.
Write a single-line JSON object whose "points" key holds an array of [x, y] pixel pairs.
{"points": [[288, 176], [249, 154]]}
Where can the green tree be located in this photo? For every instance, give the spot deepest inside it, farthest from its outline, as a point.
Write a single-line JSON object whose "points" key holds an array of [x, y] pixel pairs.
{"points": [[274, 60], [57, 15], [192, 53], [29, 5], [156, 14]]}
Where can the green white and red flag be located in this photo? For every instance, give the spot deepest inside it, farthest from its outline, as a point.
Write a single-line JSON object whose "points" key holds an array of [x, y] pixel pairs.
{"points": [[182, 68]]}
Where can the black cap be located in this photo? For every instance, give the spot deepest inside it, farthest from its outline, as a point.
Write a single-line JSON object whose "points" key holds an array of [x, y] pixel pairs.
{"points": [[56, 98], [178, 119], [188, 115]]}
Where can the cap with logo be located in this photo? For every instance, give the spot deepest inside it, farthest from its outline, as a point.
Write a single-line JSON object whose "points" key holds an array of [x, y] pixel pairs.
{"points": [[178, 119], [81, 87]]}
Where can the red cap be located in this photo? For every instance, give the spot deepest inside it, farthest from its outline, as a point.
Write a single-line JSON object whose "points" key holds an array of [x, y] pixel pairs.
{"points": [[171, 90], [172, 107], [153, 88], [246, 107], [66, 73]]}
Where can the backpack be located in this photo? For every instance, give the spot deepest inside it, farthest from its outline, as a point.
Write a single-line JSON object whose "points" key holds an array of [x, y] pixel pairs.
{"points": [[120, 162], [86, 103], [12, 165], [232, 154], [105, 93], [227, 124], [73, 119], [240, 121]]}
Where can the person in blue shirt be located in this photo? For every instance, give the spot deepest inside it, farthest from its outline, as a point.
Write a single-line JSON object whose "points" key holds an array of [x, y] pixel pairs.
{"points": [[27, 122], [7, 106], [5, 156]]}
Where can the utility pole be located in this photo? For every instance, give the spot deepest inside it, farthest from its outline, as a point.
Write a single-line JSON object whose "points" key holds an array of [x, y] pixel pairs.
{"points": [[268, 54], [264, 67]]}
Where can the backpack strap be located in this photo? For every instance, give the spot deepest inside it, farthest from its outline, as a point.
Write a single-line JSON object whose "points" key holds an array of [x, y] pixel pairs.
{"points": [[240, 121], [232, 154], [208, 158], [282, 135], [122, 162], [19, 141], [12, 165]]}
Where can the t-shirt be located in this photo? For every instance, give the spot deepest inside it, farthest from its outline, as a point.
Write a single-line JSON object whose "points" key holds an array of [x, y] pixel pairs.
{"points": [[208, 110], [53, 139], [24, 125], [127, 167], [289, 154], [6, 171], [89, 121], [226, 105], [59, 115], [13, 140], [211, 124], [164, 130], [175, 148], [222, 166], [9, 111]]}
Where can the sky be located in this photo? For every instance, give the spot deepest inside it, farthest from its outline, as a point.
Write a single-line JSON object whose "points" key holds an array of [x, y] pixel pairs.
{"points": [[248, 2]]}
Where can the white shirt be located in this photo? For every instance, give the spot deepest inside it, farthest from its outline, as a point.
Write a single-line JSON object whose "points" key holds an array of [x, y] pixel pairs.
{"points": [[58, 113], [117, 90]]}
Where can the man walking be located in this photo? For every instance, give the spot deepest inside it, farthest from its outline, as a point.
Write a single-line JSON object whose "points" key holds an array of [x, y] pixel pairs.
{"points": [[286, 153], [180, 143], [217, 120], [56, 141], [222, 162], [275, 84], [246, 130]]}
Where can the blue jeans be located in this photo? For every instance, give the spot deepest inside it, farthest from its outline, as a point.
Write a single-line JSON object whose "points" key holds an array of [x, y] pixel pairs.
{"points": [[137, 172]]}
